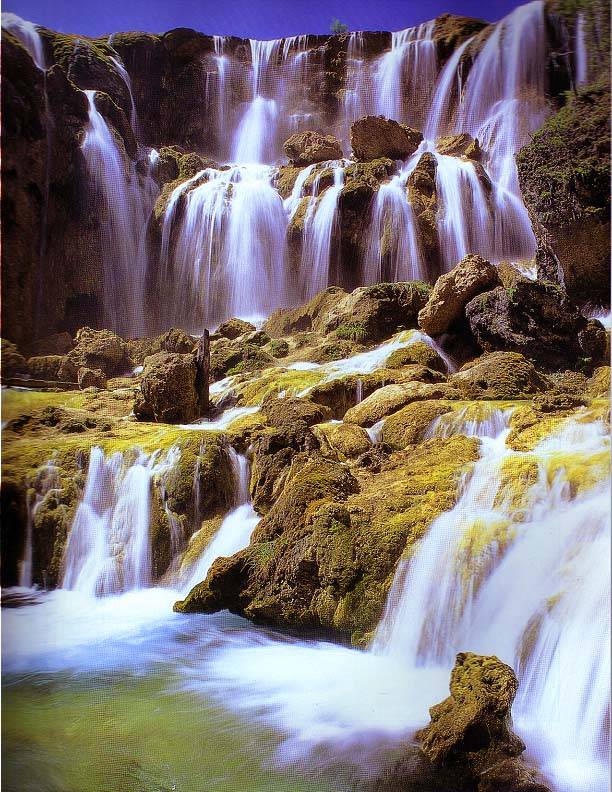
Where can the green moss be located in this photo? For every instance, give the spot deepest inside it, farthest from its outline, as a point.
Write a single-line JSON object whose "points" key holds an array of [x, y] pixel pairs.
{"points": [[352, 331]]}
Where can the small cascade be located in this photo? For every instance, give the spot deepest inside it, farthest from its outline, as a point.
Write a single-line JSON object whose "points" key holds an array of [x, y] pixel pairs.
{"points": [[408, 69], [320, 228], [392, 249], [123, 73], [229, 254], [359, 391], [519, 574], [27, 34], [235, 531], [126, 203], [580, 52], [446, 96], [375, 431], [47, 479], [221, 63], [108, 547], [256, 134], [356, 98]]}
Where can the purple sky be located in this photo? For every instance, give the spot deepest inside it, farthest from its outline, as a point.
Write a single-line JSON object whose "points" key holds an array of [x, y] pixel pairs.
{"points": [[248, 18]]}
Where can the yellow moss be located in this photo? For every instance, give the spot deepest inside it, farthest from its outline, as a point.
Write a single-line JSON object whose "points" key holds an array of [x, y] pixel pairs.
{"points": [[518, 473], [581, 471], [345, 441], [17, 402], [200, 541], [252, 391]]}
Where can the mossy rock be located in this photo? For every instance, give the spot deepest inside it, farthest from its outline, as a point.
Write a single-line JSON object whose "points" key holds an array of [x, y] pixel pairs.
{"points": [[409, 425], [499, 375], [419, 353]]}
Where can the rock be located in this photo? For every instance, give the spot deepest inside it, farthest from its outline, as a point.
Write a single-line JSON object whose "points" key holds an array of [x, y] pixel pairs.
{"points": [[233, 328], [375, 136], [175, 341], [408, 425], [390, 398], [45, 367], [451, 30], [341, 440], [423, 197], [471, 730], [499, 375], [294, 412], [91, 378], [536, 320], [56, 344], [95, 349], [371, 313], [168, 389], [13, 362], [418, 353], [452, 292], [308, 148], [598, 386], [564, 174], [278, 348], [461, 145]]}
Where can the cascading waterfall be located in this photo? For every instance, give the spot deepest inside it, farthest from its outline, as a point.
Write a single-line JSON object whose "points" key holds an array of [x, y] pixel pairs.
{"points": [[108, 547], [524, 577], [27, 34], [47, 480], [228, 258], [446, 96], [580, 55], [125, 205], [392, 249], [408, 69], [320, 225], [235, 531], [256, 133]]}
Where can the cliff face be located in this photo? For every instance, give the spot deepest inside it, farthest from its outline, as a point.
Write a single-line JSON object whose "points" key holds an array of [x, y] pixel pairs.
{"points": [[186, 94]]}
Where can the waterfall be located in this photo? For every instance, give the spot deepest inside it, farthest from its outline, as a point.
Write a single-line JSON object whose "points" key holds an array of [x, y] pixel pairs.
{"points": [[27, 34], [108, 547], [580, 57], [235, 531], [124, 210], [503, 100], [523, 575], [447, 88], [229, 254], [122, 71], [256, 134], [408, 69], [320, 227], [47, 479], [392, 247]]}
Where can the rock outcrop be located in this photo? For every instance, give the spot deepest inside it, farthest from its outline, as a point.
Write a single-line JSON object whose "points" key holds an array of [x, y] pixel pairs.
{"points": [[308, 148], [375, 136], [453, 291], [168, 389]]}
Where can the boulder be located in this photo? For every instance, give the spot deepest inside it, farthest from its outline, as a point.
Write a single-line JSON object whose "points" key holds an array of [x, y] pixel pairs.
{"points": [[409, 425], [370, 313], [461, 145], [390, 398], [232, 328], [341, 440], [375, 136], [535, 319], [95, 349], [13, 362], [91, 378], [56, 344], [418, 353], [168, 389], [308, 148], [452, 292], [499, 375], [471, 731], [45, 367], [294, 412]]}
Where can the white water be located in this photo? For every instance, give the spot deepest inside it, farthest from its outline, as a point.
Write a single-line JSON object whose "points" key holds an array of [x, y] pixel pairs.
{"points": [[126, 200], [27, 34], [235, 531], [47, 480], [408, 69], [228, 259], [108, 547], [580, 55], [224, 421]]}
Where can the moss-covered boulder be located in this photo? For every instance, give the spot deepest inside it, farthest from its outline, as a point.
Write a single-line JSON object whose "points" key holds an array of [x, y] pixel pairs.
{"points": [[564, 173], [45, 367], [91, 378], [538, 321], [168, 389], [233, 328], [452, 292], [471, 733], [374, 136], [499, 375], [13, 362], [409, 425], [391, 398], [308, 148], [95, 349], [461, 145], [342, 441], [418, 353]]}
